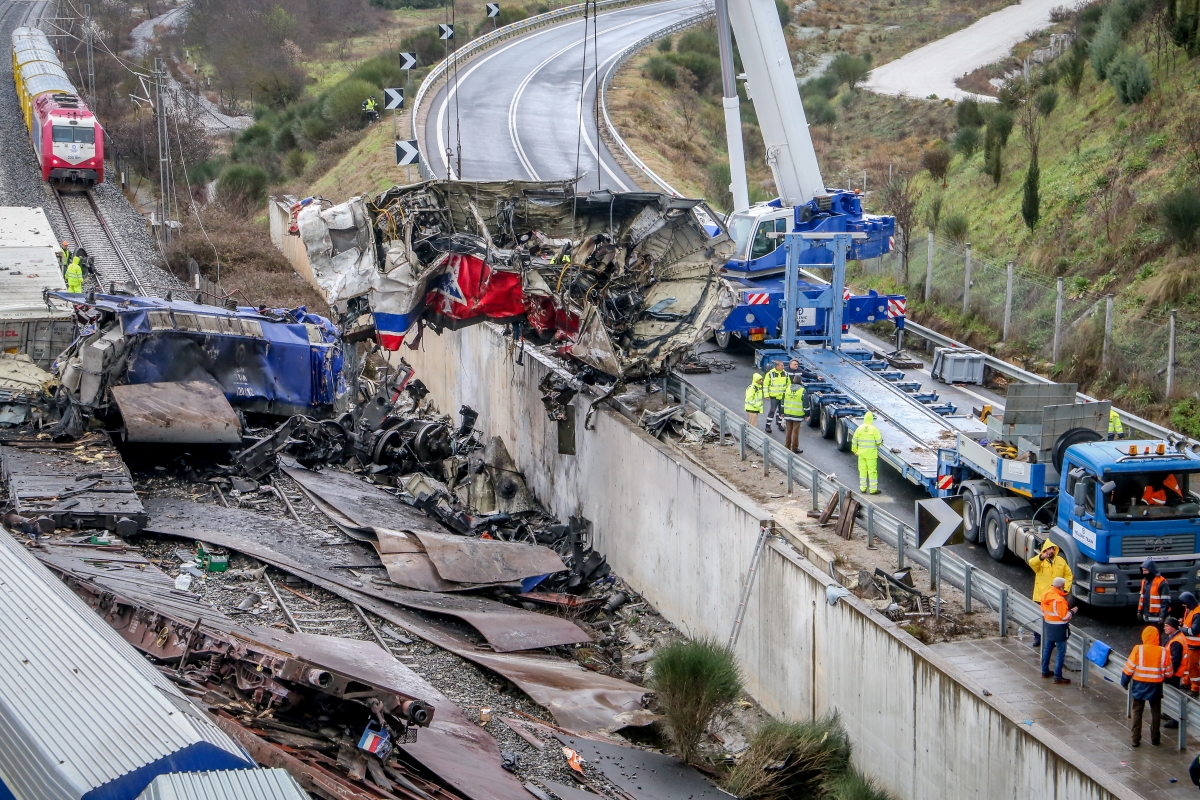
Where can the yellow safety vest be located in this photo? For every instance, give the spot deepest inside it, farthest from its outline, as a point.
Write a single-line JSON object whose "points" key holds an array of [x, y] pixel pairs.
{"points": [[370, 105], [1114, 422], [776, 383], [74, 276], [867, 439], [754, 398], [793, 402]]}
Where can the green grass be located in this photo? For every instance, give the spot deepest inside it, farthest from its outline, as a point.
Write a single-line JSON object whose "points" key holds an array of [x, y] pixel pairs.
{"points": [[694, 681]]}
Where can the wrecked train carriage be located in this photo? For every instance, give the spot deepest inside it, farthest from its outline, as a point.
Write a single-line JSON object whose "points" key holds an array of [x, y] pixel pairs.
{"points": [[626, 283], [179, 372]]}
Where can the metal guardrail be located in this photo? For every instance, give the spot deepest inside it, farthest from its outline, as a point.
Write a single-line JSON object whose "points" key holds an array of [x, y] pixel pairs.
{"points": [[613, 68], [943, 565], [484, 42]]}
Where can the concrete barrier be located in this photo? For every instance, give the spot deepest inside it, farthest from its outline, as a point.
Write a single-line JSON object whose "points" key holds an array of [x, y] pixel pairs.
{"points": [[685, 539], [292, 247]]}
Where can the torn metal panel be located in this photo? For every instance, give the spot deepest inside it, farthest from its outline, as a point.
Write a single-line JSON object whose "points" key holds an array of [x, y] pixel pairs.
{"points": [[81, 484], [466, 559], [368, 506], [579, 699], [19, 374], [644, 774], [177, 413], [506, 628]]}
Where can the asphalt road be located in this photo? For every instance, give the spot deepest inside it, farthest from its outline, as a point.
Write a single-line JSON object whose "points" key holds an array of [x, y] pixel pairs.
{"points": [[932, 69], [1115, 627], [519, 106]]}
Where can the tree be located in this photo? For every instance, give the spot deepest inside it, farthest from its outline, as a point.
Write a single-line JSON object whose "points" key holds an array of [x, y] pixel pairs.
{"points": [[1030, 203], [688, 104], [1002, 121], [1072, 71], [966, 141], [1129, 75], [850, 70], [1104, 48], [1046, 100], [900, 198], [937, 160], [993, 162], [933, 214], [968, 114], [1179, 217]]}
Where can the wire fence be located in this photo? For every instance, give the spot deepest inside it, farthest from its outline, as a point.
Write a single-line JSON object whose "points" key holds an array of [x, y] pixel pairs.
{"points": [[1049, 319]]}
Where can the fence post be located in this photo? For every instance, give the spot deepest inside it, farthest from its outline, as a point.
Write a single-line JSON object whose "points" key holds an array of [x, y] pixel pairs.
{"points": [[871, 526], [1084, 646], [721, 416], [929, 268], [935, 568], [967, 581], [683, 396], [900, 545], [1008, 300], [742, 440], [1004, 611], [1058, 304], [790, 466], [1171, 355], [1108, 304], [766, 454], [967, 283], [816, 490]]}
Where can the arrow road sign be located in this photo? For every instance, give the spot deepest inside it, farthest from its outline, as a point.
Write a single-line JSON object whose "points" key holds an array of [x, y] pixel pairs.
{"points": [[393, 98], [493, 9], [408, 60], [939, 522], [407, 154], [445, 31]]}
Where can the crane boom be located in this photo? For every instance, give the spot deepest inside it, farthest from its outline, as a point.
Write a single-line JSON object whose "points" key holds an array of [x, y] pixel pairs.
{"points": [[771, 84]]}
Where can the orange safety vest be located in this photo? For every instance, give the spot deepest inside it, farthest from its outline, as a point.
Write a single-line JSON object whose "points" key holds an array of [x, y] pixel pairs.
{"points": [[1148, 663], [1054, 606], [1183, 669], [1189, 619], [1154, 498], [1155, 596]]}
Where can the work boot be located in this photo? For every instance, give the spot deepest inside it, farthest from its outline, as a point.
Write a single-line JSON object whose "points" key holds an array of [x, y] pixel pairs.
{"points": [[1047, 674], [1061, 681], [1171, 723], [875, 491], [768, 427]]}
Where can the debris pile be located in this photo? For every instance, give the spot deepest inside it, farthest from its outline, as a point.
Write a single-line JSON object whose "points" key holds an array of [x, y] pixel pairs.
{"points": [[626, 284]]}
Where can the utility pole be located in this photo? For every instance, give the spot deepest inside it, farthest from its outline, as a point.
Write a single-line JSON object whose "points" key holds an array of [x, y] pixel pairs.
{"points": [[733, 115], [164, 154], [91, 64]]}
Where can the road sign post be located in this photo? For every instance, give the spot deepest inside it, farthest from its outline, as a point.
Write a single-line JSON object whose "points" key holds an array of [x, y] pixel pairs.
{"points": [[493, 11]]}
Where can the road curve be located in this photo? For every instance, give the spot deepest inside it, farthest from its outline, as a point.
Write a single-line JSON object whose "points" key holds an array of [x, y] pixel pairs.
{"points": [[934, 68], [518, 104]]}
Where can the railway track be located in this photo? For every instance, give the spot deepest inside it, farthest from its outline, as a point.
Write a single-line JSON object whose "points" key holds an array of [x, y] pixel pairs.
{"points": [[90, 230]]}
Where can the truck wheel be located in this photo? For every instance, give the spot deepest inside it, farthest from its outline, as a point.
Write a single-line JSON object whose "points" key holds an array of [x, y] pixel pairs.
{"points": [[828, 423], [994, 534], [812, 411], [724, 339], [842, 436], [971, 520]]}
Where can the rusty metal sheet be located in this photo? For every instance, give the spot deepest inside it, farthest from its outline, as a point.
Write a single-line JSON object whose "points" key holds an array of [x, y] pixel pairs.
{"points": [[644, 774], [506, 628], [79, 484], [580, 700], [452, 747], [189, 412], [466, 559], [366, 505]]}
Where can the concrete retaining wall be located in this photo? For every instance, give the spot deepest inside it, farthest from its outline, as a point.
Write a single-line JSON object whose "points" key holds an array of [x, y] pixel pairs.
{"points": [[684, 540], [279, 213]]}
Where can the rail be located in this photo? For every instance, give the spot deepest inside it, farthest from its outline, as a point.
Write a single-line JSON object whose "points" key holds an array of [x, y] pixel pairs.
{"points": [[481, 43], [879, 525], [625, 55], [97, 238]]}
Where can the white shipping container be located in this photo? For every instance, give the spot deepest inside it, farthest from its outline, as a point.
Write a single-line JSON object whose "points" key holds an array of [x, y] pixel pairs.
{"points": [[29, 263]]}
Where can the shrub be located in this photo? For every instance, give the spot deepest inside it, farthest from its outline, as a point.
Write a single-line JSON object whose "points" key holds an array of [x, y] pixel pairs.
{"points": [[661, 69], [316, 129], [707, 69], [694, 682], [820, 111], [1072, 71], [296, 161], [1185, 416], [933, 214], [1130, 77], [784, 11], [426, 44], [968, 114], [826, 85], [1002, 122], [381, 71], [937, 160], [956, 227], [848, 69], [702, 41], [966, 141], [1103, 49], [242, 185], [853, 785], [1030, 201], [664, 44], [1179, 216], [716, 185], [343, 104], [791, 759], [1046, 100]]}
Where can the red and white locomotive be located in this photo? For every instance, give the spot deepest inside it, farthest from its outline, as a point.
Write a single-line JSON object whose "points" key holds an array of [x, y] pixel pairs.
{"points": [[67, 139]]}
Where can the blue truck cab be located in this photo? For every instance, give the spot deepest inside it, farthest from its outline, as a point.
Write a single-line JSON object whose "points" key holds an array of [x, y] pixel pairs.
{"points": [[756, 267], [1122, 502]]}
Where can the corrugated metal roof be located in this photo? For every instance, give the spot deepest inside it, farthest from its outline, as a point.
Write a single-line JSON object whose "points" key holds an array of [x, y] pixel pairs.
{"points": [[32, 69], [40, 84], [79, 707], [240, 784]]}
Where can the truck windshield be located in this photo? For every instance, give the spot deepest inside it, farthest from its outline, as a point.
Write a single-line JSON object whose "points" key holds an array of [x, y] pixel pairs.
{"points": [[740, 227], [1153, 495]]}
